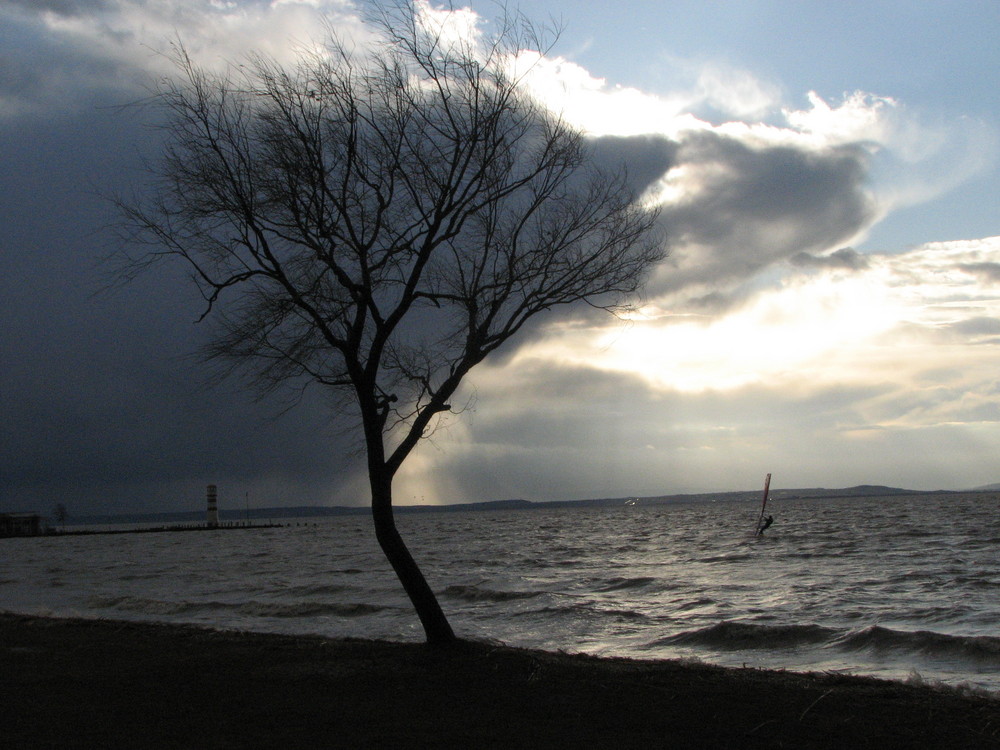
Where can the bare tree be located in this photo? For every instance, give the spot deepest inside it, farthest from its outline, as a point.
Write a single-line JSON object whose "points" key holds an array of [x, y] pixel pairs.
{"points": [[379, 221]]}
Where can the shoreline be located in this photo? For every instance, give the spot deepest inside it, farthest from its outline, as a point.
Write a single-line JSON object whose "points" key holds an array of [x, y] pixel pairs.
{"points": [[85, 683]]}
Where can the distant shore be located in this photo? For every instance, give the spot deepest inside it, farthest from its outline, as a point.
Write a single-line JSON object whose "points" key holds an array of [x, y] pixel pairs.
{"points": [[224, 526], [313, 512], [99, 683]]}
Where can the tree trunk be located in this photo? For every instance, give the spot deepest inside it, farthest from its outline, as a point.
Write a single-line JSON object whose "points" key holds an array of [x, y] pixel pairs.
{"points": [[436, 626]]}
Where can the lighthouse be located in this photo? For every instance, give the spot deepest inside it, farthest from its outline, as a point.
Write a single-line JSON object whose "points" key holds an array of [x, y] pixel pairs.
{"points": [[213, 509]]}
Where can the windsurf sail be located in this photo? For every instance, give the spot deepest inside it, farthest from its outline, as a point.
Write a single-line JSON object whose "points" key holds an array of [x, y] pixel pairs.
{"points": [[763, 504]]}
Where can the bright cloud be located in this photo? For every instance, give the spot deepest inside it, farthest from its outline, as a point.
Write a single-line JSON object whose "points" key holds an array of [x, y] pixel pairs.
{"points": [[860, 117], [458, 26], [894, 319], [737, 93], [597, 107]]}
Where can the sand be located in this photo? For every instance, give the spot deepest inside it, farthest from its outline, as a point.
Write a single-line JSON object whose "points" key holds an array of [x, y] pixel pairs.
{"points": [[97, 683]]}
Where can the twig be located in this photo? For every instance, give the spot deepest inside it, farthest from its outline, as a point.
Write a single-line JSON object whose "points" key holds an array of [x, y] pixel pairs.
{"points": [[803, 714], [762, 724]]}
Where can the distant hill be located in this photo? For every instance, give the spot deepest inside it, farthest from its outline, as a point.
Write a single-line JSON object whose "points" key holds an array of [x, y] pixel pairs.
{"points": [[317, 511], [269, 514]]}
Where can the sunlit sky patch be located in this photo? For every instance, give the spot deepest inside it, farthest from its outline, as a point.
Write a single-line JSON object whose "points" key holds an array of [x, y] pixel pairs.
{"points": [[901, 312]]}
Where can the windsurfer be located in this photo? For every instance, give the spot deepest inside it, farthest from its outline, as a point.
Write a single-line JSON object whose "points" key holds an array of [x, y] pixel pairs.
{"points": [[767, 522]]}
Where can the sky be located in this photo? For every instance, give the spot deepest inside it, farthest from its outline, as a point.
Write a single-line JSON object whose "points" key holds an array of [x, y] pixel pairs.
{"points": [[828, 177]]}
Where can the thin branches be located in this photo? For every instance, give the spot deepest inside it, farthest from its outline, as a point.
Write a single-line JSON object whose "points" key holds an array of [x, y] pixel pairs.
{"points": [[380, 223]]}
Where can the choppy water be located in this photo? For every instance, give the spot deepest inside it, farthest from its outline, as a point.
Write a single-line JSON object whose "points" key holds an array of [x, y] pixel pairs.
{"points": [[882, 586]]}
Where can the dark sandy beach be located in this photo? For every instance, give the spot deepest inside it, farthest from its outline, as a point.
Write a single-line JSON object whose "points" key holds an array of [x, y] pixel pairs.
{"points": [[87, 683]]}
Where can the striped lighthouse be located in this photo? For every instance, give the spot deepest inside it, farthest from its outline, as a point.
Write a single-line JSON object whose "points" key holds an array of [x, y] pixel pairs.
{"points": [[213, 508]]}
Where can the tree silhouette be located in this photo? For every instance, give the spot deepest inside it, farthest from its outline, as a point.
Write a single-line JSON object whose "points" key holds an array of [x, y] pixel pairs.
{"points": [[377, 221]]}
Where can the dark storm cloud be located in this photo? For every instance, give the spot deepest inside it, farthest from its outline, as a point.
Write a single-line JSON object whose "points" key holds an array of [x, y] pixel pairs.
{"points": [[745, 208], [103, 404], [645, 158], [749, 206]]}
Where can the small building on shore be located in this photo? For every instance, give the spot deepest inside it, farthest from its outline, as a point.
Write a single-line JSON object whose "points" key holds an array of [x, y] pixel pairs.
{"points": [[22, 524]]}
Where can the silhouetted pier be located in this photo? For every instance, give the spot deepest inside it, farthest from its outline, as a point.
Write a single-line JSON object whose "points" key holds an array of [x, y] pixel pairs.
{"points": [[174, 527]]}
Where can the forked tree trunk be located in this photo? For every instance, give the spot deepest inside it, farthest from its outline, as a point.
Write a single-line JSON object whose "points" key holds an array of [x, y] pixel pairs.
{"points": [[436, 626]]}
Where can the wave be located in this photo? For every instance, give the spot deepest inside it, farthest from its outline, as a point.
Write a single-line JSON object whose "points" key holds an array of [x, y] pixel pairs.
{"points": [[729, 635], [916, 532], [309, 609], [976, 582], [622, 584], [478, 594], [588, 610], [979, 648], [140, 576], [728, 557], [158, 607], [741, 635], [141, 605], [315, 589]]}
